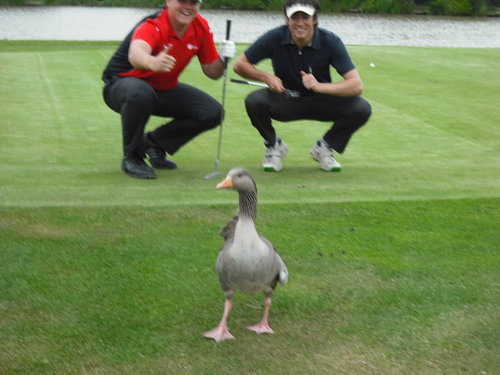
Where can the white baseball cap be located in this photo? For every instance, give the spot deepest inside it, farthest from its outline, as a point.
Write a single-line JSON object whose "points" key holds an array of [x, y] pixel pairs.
{"points": [[307, 9]]}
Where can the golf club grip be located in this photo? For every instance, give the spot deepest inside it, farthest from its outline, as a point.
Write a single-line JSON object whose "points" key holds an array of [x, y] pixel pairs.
{"points": [[228, 29], [228, 35]]}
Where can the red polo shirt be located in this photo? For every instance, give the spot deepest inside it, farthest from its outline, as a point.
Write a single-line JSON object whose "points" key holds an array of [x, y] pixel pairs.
{"points": [[159, 34]]}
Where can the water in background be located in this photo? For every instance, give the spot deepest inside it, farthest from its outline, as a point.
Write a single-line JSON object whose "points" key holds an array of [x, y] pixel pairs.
{"points": [[106, 23]]}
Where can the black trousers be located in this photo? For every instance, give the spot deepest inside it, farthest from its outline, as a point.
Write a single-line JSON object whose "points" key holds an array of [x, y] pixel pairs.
{"points": [[348, 114], [192, 112]]}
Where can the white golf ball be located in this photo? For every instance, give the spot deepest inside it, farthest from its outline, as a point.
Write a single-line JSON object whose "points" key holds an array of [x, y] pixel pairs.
{"points": [[372, 65]]}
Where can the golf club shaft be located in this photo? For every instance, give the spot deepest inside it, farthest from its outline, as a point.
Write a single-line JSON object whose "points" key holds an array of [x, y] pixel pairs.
{"points": [[288, 93], [251, 83], [216, 173]]}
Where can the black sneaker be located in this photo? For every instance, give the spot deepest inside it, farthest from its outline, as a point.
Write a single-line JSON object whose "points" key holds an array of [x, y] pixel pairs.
{"points": [[156, 155], [137, 168]]}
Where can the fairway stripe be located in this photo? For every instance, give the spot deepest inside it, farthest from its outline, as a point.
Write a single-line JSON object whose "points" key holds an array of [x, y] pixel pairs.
{"points": [[53, 99], [426, 124], [105, 56]]}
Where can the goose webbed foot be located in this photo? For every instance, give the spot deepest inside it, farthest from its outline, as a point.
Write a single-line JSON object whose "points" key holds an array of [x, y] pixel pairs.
{"points": [[262, 327], [220, 333]]}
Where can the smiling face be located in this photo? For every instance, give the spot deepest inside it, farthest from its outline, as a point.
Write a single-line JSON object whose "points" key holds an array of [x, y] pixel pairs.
{"points": [[182, 12], [301, 27]]}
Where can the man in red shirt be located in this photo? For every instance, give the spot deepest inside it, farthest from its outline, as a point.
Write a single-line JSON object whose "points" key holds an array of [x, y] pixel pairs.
{"points": [[141, 80]]}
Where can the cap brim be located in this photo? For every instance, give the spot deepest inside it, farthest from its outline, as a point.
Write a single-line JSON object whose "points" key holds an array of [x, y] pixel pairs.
{"points": [[307, 9]]}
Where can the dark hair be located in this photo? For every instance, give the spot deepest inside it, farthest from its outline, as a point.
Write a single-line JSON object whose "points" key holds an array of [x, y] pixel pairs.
{"points": [[313, 3]]}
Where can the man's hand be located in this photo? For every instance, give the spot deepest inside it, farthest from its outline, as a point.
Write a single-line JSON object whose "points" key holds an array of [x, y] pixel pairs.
{"points": [[161, 63], [309, 81], [227, 49], [275, 84]]}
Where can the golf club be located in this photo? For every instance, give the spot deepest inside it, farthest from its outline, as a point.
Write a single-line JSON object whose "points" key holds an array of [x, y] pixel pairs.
{"points": [[216, 172], [252, 83], [288, 93]]}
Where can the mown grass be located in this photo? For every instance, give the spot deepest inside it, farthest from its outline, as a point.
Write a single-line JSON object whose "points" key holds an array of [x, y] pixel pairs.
{"points": [[394, 262]]}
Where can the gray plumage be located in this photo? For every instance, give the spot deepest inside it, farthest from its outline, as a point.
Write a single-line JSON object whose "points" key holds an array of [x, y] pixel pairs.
{"points": [[247, 261]]}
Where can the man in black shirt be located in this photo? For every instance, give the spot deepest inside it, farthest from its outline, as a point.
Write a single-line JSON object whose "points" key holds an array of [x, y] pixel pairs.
{"points": [[302, 54]]}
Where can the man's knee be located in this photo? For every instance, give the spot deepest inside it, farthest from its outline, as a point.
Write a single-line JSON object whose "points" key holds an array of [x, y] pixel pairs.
{"points": [[357, 111], [141, 99], [134, 93], [213, 117], [255, 100], [362, 109]]}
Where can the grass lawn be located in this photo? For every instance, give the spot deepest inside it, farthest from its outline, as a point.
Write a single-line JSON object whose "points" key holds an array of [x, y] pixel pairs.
{"points": [[394, 262]]}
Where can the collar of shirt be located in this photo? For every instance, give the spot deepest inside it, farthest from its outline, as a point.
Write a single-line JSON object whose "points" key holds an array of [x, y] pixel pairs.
{"points": [[172, 37], [315, 43]]}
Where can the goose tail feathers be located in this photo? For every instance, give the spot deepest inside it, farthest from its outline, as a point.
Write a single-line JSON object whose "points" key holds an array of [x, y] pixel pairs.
{"points": [[283, 275]]}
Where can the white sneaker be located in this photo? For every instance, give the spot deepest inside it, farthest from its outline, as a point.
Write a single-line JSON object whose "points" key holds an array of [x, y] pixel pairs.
{"points": [[273, 156], [323, 154]]}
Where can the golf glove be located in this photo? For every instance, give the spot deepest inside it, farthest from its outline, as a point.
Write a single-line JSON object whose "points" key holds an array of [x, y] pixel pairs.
{"points": [[227, 49]]}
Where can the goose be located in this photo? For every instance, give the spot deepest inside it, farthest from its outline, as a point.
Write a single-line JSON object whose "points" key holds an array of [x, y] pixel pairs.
{"points": [[247, 261]]}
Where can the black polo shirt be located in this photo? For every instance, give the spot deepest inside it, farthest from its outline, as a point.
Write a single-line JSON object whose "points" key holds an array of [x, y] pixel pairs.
{"points": [[325, 50]]}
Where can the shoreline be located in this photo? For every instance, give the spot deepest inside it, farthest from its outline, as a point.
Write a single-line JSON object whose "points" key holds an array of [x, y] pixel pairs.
{"points": [[421, 11], [79, 23]]}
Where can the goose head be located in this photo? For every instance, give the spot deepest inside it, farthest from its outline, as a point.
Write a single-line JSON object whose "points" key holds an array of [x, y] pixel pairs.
{"points": [[239, 179]]}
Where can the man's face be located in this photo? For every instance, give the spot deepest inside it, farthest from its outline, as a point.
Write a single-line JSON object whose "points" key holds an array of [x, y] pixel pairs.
{"points": [[302, 27], [183, 11]]}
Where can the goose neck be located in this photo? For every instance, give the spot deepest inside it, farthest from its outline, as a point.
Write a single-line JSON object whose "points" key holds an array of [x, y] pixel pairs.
{"points": [[248, 204]]}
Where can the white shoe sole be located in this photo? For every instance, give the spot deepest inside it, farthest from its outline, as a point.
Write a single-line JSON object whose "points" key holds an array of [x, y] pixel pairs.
{"points": [[315, 157]]}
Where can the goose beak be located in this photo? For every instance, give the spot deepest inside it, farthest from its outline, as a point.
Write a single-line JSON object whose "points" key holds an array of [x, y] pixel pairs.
{"points": [[226, 184]]}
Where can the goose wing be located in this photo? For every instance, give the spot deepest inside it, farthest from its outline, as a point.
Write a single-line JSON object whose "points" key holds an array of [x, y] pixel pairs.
{"points": [[279, 266], [230, 228]]}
